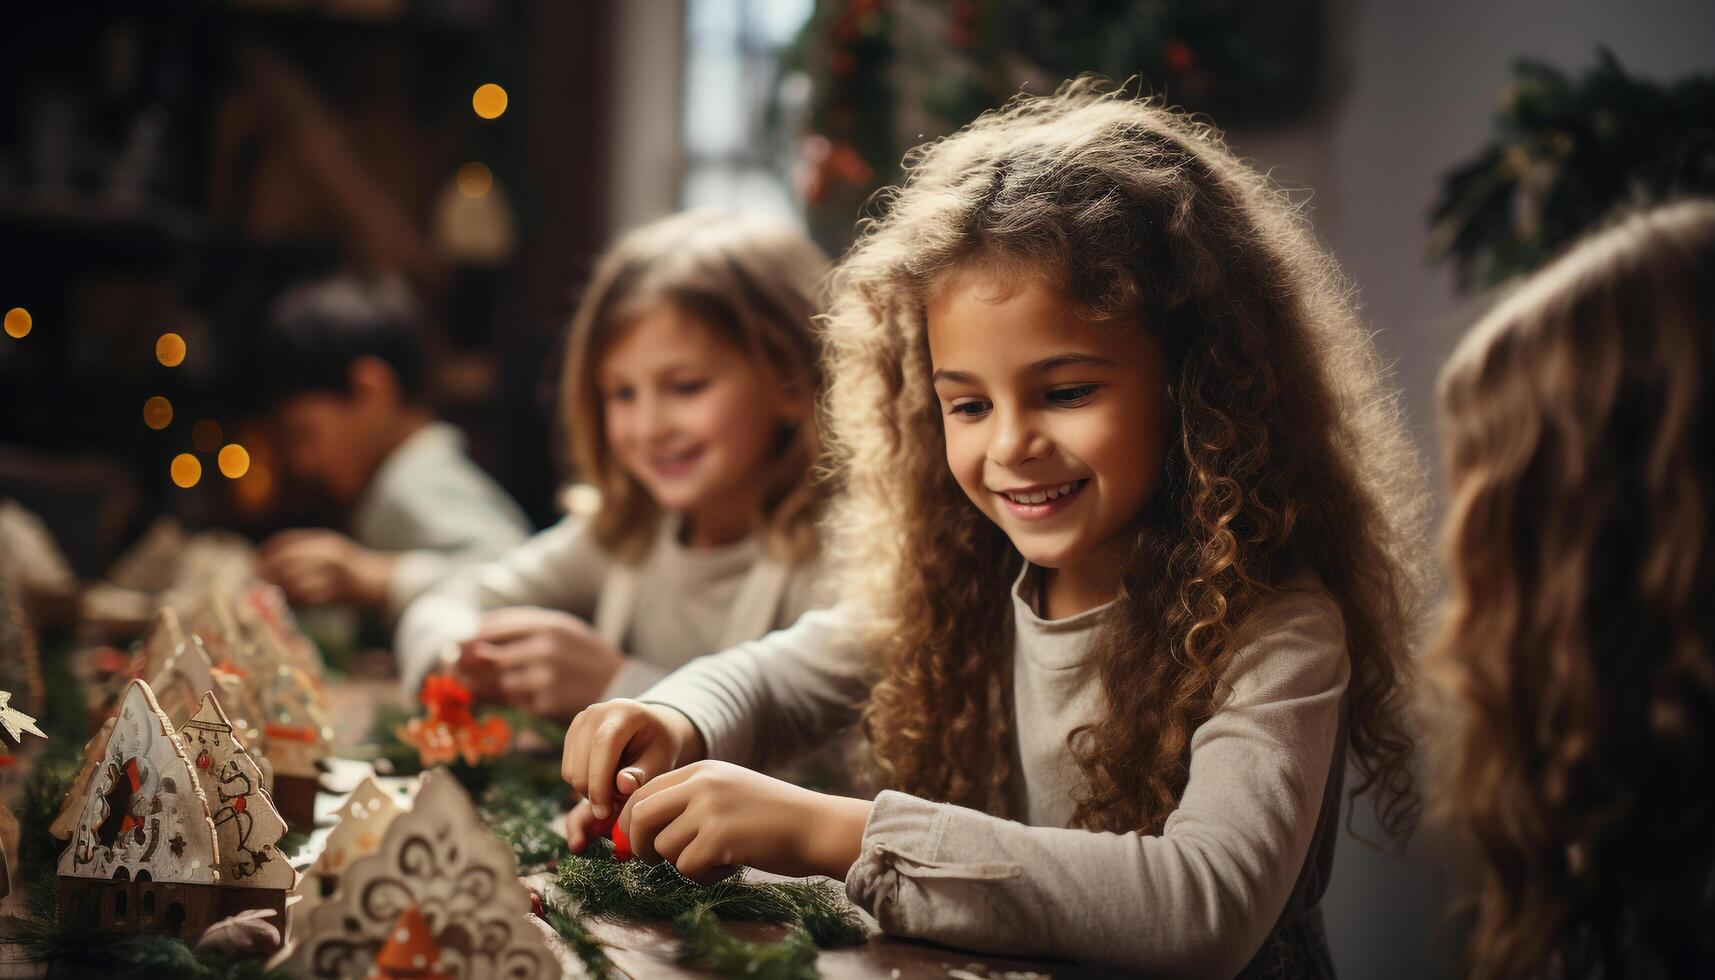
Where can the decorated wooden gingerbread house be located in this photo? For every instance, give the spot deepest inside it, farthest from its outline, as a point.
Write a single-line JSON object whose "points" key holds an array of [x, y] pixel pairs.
{"points": [[439, 896], [174, 831]]}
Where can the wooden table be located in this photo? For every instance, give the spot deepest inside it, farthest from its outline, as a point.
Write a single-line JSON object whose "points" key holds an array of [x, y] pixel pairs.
{"points": [[645, 951]]}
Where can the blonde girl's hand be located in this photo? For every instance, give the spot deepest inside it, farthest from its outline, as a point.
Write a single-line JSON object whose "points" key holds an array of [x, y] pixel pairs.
{"points": [[545, 661], [710, 816], [644, 740]]}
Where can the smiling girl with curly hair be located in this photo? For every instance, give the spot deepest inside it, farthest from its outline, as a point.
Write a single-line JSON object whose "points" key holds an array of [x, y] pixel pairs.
{"points": [[1130, 536]]}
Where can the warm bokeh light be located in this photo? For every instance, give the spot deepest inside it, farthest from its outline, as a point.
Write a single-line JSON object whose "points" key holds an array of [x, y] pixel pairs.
{"points": [[205, 435], [157, 413], [18, 322], [186, 470], [234, 461], [489, 101], [170, 350], [475, 179]]}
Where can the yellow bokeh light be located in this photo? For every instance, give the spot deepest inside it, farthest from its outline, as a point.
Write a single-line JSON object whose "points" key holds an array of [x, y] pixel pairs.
{"points": [[205, 435], [234, 461], [170, 350], [489, 101], [186, 470], [157, 413], [18, 323], [475, 179]]}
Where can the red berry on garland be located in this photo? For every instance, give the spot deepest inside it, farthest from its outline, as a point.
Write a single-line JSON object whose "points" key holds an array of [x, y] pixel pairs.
{"points": [[536, 908], [621, 843]]}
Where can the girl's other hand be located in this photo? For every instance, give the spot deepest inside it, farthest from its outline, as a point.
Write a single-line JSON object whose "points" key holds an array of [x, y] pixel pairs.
{"points": [[545, 661], [710, 816], [616, 747]]}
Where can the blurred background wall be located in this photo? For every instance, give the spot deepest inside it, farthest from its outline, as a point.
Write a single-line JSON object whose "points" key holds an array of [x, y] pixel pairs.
{"points": [[168, 167]]}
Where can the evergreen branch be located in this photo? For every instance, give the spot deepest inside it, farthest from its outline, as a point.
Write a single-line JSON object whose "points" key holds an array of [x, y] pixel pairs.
{"points": [[709, 945]]}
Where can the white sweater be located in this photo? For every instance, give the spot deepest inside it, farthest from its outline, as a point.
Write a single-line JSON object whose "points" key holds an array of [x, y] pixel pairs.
{"points": [[1249, 845], [675, 604], [434, 507]]}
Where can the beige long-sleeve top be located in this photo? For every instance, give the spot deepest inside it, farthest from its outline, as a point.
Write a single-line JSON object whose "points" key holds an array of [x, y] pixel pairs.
{"points": [[675, 604], [434, 507], [1250, 844]]}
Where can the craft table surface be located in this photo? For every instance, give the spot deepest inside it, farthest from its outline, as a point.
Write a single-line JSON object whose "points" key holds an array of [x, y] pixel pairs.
{"points": [[644, 951]]}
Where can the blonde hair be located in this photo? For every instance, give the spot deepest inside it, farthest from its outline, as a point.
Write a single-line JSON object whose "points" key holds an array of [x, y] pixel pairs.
{"points": [[1284, 455], [1573, 665], [753, 280]]}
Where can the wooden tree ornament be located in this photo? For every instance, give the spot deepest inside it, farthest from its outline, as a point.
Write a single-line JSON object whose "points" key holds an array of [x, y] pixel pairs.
{"points": [[439, 859], [246, 823]]}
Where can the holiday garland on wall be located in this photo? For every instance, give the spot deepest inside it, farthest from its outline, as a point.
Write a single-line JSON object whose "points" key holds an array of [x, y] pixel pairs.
{"points": [[1568, 153], [887, 74]]}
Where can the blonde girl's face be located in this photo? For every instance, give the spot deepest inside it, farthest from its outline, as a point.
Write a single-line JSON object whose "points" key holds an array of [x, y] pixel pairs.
{"points": [[1054, 423], [693, 419]]}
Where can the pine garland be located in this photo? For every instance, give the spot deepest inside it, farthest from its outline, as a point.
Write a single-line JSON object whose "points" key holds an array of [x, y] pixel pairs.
{"points": [[712, 947], [566, 922], [636, 891]]}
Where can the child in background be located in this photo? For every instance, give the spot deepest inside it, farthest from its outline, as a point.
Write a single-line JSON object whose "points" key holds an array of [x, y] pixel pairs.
{"points": [[1130, 533], [1576, 660], [689, 395], [341, 364]]}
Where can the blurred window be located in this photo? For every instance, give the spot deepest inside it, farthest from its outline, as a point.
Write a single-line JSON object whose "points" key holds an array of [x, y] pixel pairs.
{"points": [[733, 158]]}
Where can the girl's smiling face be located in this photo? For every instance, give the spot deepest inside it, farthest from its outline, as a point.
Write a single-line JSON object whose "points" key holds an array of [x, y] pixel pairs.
{"points": [[693, 419], [1054, 423]]}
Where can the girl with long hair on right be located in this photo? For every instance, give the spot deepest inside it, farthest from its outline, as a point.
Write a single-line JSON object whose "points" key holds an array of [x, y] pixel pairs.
{"points": [[1575, 664], [1129, 536]]}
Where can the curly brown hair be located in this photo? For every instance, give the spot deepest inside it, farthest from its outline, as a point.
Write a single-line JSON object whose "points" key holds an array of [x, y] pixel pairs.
{"points": [[1285, 455], [753, 279], [1573, 667]]}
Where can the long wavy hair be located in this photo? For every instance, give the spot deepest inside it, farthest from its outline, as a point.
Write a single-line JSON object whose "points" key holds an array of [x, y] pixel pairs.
{"points": [[1575, 663], [1285, 455], [755, 281]]}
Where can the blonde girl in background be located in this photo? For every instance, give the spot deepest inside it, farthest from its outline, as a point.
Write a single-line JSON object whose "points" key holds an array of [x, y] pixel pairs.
{"points": [[689, 391], [1131, 536], [1576, 658]]}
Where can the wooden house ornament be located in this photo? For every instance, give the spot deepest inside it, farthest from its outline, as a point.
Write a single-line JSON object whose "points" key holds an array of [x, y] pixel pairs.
{"points": [[287, 700], [361, 820], [145, 853], [71, 807], [441, 877]]}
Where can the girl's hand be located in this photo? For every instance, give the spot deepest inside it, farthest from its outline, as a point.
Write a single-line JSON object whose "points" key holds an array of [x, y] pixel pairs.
{"points": [[314, 567], [709, 816], [643, 740], [543, 660]]}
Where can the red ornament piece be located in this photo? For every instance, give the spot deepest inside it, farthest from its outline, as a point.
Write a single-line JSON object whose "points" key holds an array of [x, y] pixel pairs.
{"points": [[621, 843], [204, 760], [410, 950], [536, 908], [239, 804]]}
